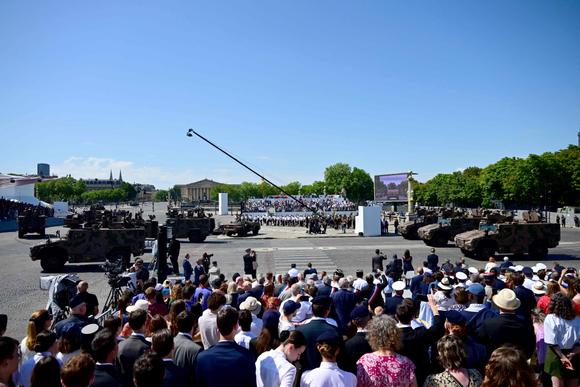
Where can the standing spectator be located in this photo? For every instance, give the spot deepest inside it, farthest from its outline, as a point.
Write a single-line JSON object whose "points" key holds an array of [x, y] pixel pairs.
{"points": [[344, 302], [508, 367], [187, 268], [288, 311], [78, 311], [525, 295], [89, 298], [154, 307], [313, 329], [254, 257], [251, 304], [45, 345], [433, 261], [274, 367], [9, 360], [226, 355], [476, 353], [384, 366], [39, 321], [149, 371], [208, 320], [309, 270], [452, 358], [248, 265], [357, 345], [328, 373], [79, 371], [245, 335], [377, 261], [198, 271], [508, 328], [562, 335], [396, 225], [134, 346], [174, 247], [104, 348], [269, 337], [202, 292], [391, 303], [186, 349], [69, 344], [214, 272], [162, 346], [46, 373]]}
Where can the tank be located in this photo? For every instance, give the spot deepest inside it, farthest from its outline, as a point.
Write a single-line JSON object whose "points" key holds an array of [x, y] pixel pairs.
{"points": [[241, 227], [192, 224], [91, 244], [31, 222], [529, 236]]}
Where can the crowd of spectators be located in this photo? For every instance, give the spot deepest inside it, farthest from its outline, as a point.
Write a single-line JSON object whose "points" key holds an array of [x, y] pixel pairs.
{"points": [[437, 325], [286, 204], [10, 209]]}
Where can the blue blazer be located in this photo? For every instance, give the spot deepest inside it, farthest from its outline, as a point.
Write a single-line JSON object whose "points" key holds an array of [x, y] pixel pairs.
{"points": [[225, 364]]}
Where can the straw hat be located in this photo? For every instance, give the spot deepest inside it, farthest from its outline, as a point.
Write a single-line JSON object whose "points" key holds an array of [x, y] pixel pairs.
{"points": [[444, 284], [539, 288], [140, 304], [506, 299]]}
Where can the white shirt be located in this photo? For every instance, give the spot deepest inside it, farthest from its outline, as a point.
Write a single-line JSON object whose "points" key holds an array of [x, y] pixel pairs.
{"points": [[529, 283], [64, 357], [327, 375], [490, 265], [243, 338], [26, 353], [273, 370], [563, 333], [293, 272], [284, 325], [208, 329], [360, 284], [256, 327]]}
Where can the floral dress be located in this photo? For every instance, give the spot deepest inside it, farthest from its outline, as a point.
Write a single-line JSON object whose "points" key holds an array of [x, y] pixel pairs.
{"points": [[384, 371], [445, 379]]}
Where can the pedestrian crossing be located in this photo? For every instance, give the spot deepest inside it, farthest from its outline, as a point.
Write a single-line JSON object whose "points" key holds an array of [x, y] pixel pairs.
{"points": [[320, 260]]}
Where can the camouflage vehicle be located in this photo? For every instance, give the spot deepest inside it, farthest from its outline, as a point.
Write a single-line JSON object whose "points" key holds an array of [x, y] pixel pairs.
{"points": [[241, 227], [90, 244], [408, 230], [439, 234], [530, 236], [31, 222], [192, 224]]}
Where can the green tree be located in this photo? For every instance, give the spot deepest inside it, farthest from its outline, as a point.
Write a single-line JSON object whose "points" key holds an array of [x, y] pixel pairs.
{"points": [[292, 188], [129, 192], [336, 177], [161, 195], [359, 186]]}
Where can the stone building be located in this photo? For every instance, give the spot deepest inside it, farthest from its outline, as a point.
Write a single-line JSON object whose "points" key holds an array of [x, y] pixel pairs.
{"points": [[197, 191]]}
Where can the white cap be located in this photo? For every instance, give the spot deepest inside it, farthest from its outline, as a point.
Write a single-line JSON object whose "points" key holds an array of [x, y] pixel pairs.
{"points": [[461, 276], [518, 268], [399, 285], [541, 266], [506, 259], [473, 270], [427, 270]]}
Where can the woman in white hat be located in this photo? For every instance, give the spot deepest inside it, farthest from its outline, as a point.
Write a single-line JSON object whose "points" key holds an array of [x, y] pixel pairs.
{"points": [[443, 296]]}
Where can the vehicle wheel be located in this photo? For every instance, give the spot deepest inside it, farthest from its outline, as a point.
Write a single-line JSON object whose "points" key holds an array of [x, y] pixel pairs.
{"points": [[485, 251], [467, 253], [203, 237], [538, 251], [195, 236], [440, 240], [52, 263], [255, 231], [242, 233], [229, 233], [20, 234]]}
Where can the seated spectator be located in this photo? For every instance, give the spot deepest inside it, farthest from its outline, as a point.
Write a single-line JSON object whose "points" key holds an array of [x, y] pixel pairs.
{"points": [[328, 373], [148, 371], [9, 360], [274, 367], [162, 346], [104, 349], [79, 371], [452, 358], [46, 373], [508, 367]]}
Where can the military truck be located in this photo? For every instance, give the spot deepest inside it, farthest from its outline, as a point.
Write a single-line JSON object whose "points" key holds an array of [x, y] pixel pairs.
{"points": [[518, 238], [440, 233], [408, 230], [89, 244], [240, 227], [31, 222], [192, 224]]}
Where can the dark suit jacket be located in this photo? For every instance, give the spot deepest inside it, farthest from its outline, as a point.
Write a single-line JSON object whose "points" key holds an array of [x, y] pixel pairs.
{"points": [[248, 266], [175, 376], [528, 301], [185, 350], [354, 348], [106, 375], [187, 269], [225, 364], [324, 290], [344, 302], [416, 342], [311, 359], [377, 262], [130, 350], [432, 261], [391, 304], [415, 284], [508, 329]]}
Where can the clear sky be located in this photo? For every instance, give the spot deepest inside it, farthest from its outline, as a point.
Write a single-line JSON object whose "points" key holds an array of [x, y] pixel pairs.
{"points": [[288, 86]]}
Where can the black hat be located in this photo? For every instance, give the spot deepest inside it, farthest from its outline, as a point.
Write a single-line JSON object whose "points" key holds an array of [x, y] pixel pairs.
{"points": [[361, 311], [330, 336], [76, 301], [455, 317], [322, 300], [290, 307]]}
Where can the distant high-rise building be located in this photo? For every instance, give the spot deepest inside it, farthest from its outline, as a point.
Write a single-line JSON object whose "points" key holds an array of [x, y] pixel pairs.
{"points": [[43, 170]]}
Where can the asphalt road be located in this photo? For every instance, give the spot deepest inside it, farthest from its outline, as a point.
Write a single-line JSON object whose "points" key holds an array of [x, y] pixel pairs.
{"points": [[20, 293]]}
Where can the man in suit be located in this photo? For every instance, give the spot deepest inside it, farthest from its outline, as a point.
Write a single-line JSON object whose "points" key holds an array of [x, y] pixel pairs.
{"points": [[187, 268], [357, 345], [149, 371], [248, 265], [134, 346], [174, 247], [226, 363], [525, 295], [162, 345], [416, 342], [433, 261], [508, 328], [416, 282], [185, 349], [377, 261], [391, 303], [104, 347], [325, 289], [344, 302], [320, 309]]}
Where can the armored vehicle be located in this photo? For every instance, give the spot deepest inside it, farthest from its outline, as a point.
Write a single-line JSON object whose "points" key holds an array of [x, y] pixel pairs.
{"points": [[530, 236], [438, 234], [408, 230], [90, 244], [31, 222], [192, 224], [241, 227]]}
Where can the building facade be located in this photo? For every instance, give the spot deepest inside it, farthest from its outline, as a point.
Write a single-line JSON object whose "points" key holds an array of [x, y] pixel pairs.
{"points": [[198, 191], [98, 184]]}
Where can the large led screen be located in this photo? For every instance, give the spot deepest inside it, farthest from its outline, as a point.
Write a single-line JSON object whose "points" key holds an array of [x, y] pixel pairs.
{"points": [[391, 188]]}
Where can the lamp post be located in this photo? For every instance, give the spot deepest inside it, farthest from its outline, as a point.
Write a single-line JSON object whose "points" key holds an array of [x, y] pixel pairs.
{"points": [[410, 206]]}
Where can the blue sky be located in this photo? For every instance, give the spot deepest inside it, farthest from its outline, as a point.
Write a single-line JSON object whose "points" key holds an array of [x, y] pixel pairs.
{"points": [[288, 86]]}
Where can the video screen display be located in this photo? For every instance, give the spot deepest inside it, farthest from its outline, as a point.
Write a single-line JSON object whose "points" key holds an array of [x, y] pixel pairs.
{"points": [[391, 188]]}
